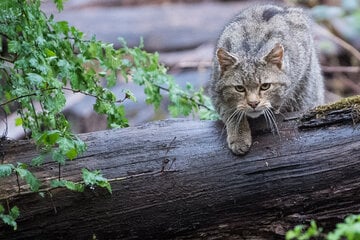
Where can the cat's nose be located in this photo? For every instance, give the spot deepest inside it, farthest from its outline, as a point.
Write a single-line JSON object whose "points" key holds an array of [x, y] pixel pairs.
{"points": [[253, 104]]}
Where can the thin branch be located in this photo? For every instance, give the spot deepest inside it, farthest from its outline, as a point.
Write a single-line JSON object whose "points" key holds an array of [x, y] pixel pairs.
{"points": [[8, 59], [17, 181], [185, 96], [34, 112], [52, 202], [339, 41], [336, 69], [59, 173], [17, 98], [8, 205], [51, 89]]}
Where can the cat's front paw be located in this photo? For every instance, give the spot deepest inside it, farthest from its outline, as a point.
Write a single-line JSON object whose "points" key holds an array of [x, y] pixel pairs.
{"points": [[239, 146]]}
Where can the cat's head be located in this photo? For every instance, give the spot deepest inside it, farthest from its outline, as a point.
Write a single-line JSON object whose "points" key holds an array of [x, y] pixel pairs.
{"points": [[252, 84]]}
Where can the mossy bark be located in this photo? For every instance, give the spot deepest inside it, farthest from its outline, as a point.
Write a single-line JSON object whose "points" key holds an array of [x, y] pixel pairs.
{"points": [[346, 110]]}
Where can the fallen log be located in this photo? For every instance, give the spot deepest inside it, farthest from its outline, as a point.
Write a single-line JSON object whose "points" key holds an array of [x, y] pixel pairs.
{"points": [[176, 179]]}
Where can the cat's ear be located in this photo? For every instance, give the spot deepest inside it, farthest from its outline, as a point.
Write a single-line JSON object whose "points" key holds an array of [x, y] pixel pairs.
{"points": [[226, 59], [275, 56]]}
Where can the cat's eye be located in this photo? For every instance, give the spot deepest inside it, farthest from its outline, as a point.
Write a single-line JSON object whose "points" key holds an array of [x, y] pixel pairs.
{"points": [[265, 86], [240, 88]]}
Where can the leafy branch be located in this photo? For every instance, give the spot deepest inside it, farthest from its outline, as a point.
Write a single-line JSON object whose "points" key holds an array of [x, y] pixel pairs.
{"points": [[40, 62], [52, 89]]}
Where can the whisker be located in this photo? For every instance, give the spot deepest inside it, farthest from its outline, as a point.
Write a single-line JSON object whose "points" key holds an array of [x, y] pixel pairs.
{"points": [[239, 119], [272, 117], [236, 121], [268, 121], [232, 116], [229, 119], [273, 125]]}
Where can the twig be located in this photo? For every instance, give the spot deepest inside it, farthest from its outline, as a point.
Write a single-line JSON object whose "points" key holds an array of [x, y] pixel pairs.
{"points": [[335, 69], [340, 42], [59, 173], [8, 205], [17, 98], [34, 112], [194, 64], [185, 96], [52, 202], [17, 181], [8, 59], [51, 89]]}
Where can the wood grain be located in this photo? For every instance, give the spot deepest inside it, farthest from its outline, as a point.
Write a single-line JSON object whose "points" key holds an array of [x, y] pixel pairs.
{"points": [[180, 181]]}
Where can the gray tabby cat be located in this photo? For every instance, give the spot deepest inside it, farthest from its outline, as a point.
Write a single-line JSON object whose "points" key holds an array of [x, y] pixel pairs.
{"points": [[265, 62]]}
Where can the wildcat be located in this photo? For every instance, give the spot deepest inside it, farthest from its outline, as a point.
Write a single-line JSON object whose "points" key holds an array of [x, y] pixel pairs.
{"points": [[265, 62]]}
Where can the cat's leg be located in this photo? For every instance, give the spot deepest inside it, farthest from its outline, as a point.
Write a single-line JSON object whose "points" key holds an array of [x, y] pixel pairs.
{"points": [[239, 137]]}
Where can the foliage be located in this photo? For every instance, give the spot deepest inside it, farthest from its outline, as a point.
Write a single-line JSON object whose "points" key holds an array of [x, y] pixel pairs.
{"points": [[349, 229], [10, 218], [94, 178], [41, 63], [301, 233], [21, 170]]}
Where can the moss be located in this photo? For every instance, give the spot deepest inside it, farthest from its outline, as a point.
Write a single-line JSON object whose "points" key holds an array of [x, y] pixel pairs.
{"points": [[344, 103], [352, 103]]}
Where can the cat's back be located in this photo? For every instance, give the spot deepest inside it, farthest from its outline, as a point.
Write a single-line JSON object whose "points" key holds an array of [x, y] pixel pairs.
{"points": [[260, 24]]}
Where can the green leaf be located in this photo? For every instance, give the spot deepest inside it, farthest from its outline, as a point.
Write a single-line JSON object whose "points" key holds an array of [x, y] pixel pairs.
{"points": [[37, 161], [71, 154], [95, 178], [52, 137], [15, 212], [77, 187], [14, 46], [6, 170], [34, 78], [57, 183], [29, 178], [18, 122], [49, 53], [59, 4], [11, 217], [58, 157], [129, 95], [7, 219], [73, 186]]}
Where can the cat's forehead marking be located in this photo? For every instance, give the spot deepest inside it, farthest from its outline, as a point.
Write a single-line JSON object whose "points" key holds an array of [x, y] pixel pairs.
{"points": [[249, 77], [271, 12], [251, 82]]}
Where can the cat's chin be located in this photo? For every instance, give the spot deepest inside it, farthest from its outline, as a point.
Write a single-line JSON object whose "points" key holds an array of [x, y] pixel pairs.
{"points": [[254, 114]]}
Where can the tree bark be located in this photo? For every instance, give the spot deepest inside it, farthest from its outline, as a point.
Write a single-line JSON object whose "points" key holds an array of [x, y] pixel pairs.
{"points": [[176, 179]]}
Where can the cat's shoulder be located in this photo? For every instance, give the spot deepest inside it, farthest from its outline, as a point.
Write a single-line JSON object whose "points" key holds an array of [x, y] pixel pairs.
{"points": [[265, 13]]}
